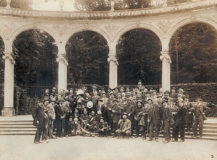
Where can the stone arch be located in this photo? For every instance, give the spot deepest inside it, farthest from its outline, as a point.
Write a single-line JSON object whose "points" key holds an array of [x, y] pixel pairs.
{"points": [[187, 21], [151, 28], [24, 28], [86, 28], [2, 37]]}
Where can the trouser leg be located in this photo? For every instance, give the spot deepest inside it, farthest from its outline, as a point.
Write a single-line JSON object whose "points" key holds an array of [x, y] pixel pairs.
{"points": [[50, 130], [182, 132], [45, 130], [38, 134], [176, 132], [151, 132], [156, 131], [195, 126], [166, 131], [201, 127]]}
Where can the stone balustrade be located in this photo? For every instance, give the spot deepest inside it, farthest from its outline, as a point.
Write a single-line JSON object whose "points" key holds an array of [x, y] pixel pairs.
{"points": [[192, 4]]}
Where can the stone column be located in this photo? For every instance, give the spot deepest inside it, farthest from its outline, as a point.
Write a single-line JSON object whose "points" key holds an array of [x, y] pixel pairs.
{"points": [[62, 72], [8, 109], [113, 71], [166, 61]]}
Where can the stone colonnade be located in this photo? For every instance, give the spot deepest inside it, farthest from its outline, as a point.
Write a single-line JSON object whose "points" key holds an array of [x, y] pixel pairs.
{"points": [[8, 57]]}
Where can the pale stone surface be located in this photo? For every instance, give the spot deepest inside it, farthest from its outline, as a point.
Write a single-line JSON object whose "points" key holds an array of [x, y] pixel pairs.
{"points": [[62, 72], [95, 148], [8, 85]]}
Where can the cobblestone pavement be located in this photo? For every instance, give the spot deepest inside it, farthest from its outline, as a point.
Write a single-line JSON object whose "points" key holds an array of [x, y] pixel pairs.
{"points": [[94, 148]]}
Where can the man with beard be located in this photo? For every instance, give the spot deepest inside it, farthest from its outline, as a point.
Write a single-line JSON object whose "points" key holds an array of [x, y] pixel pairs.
{"points": [[154, 120], [124, 127], [167, 120]]}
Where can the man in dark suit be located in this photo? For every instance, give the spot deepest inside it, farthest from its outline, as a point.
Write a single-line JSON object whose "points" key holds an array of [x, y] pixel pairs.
{"points": [[180, 121], [39, 117], [167, 120], [154, 120]]}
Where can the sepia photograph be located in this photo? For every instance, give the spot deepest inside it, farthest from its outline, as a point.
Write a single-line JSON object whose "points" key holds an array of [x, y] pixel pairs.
{"points": [[108, 79]]}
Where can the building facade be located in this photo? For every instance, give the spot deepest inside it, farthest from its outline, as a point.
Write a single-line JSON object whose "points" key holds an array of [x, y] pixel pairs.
{"points": [[164, 21]]}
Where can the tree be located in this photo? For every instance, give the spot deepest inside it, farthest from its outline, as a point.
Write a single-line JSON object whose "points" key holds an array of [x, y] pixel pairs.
{"points": [[35, 56], [138, 56], [197, 54], [101, 5], [22, 4], [87, 54]]}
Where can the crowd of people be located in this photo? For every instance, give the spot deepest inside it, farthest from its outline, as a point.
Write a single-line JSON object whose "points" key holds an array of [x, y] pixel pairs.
{"points": [[119, 112]]}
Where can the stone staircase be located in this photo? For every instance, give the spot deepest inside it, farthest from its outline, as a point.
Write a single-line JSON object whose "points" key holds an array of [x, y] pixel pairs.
{"points": [[18, 125], [23, 125]]}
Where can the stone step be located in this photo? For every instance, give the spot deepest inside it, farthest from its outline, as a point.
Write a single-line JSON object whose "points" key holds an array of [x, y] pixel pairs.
{"points": [[17, 134], [17, 126], [17, 129]]}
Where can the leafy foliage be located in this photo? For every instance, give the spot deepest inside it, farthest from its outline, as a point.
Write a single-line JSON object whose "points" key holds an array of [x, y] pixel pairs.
{"points": [[35, 59], [195, 44], [138, 53], [101, 5], [23, 4], [87, 54]]}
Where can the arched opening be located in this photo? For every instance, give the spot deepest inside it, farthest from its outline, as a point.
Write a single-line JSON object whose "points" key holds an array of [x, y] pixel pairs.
{"points": [[138, 53], [193, 50], [35, 68], [87, 54], [2, 48]]}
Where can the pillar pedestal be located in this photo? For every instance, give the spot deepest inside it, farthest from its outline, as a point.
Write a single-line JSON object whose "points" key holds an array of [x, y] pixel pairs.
{"points": [[8, 112]]}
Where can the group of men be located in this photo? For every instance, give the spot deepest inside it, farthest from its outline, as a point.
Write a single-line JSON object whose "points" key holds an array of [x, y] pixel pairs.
{"points": [[118, 112]]}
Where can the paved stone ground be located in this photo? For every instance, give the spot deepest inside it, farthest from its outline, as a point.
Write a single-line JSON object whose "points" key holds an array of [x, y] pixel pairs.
{"points": [[95, 148]]}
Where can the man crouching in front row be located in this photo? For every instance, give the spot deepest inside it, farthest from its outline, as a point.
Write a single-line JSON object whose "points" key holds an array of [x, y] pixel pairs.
{"points": [[124, 127]]}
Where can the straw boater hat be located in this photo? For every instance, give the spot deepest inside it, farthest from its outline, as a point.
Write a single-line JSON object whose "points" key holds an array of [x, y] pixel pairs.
{"points": [[90, 104], [80, 92]]}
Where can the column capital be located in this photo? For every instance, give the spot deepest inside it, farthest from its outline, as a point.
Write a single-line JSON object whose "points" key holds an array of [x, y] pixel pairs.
{"points": [[165, 56], [62, 57], [9, 56], [112, 58]]}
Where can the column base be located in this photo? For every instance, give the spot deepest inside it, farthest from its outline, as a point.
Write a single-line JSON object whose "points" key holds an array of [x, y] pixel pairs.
{"points": [[8, 112]]}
